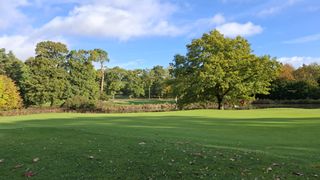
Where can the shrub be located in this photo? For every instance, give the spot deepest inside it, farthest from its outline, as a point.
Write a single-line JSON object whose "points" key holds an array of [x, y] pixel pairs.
{"points": [[9, 95], [104, 97], [291, 101], [80, 103], [33, 110], [107, 108]]}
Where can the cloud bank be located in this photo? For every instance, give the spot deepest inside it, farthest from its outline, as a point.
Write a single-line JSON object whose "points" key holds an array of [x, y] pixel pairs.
{"points": [[116, 19]]}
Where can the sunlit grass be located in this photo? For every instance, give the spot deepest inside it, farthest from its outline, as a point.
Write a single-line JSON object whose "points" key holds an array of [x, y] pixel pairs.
{"points": [[183, 144]]}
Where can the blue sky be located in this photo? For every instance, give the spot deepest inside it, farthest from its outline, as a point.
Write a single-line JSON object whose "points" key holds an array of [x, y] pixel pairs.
{"points": [[144, 33]]}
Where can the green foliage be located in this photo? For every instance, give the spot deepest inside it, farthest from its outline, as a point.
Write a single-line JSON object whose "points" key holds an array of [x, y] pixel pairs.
{"points": [[82, 75], [80, 103], [134, 84], [156, 82], [115, 80], [9, 95], [46, 80], [222, 69], [304, 85], [160, 76], [216, 69], [137, 83], [101, 56], [148, 78], [55, 51], [11, 66], [308, 73]]}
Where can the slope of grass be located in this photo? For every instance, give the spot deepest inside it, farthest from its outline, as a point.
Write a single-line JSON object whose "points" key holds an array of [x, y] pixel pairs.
{"points": [[249, 144]]}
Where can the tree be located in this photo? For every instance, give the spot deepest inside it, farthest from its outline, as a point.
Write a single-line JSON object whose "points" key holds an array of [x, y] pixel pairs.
{"points": [[148, 79], [100, 56], [159, 75], [134, 83], [9, 95], [309, 73], [221, 69], [47, 78], [10, 65], [13, 68], [286, 72], [82, 75], [115, 80]]}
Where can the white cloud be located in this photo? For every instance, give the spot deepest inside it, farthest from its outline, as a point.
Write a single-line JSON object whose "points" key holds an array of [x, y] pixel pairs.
{"points": [[120, 19], [217, 19], [277, 8], [20, 45], [219, 22], [24, 46], [10, 15], [270, 11], [133, 64], [298, 61], [233, 29], [116, 19], [237, 1], [305, 39]]}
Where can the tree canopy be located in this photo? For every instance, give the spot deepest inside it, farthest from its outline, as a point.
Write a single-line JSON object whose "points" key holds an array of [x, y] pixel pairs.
{"points": [[222, 69], [100, 56], [47, 81], [9, 94]]}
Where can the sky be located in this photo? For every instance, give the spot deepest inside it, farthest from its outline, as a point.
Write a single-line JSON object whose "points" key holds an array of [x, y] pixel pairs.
{"points": [[144, 33]]}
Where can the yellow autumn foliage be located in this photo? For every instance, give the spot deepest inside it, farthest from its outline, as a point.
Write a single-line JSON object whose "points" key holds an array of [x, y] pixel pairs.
{"points": [[9, 95]]}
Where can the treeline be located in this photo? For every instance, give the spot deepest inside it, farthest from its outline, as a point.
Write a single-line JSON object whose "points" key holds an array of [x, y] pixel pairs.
{"points": [[56, 74], [295, 84], [216, 71]]}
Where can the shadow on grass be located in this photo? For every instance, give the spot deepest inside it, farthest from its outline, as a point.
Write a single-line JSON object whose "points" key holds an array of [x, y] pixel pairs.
{"points": [[297, 134], [178, 122]]}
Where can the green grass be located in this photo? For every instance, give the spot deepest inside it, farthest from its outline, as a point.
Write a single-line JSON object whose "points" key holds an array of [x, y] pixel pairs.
{"points": [[247, 144]]}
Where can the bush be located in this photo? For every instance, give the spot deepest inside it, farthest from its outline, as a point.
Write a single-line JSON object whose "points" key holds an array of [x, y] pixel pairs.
{"points": [[107, 108], [80, 103], [9, 95], [104, 97], [33, 110], [292, 101]]}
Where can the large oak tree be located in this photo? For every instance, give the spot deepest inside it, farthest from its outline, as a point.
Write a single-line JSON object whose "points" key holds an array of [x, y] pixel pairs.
{"points": [[221, 69]]}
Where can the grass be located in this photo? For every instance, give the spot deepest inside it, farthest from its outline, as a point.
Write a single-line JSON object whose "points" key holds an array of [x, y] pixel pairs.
{"points": [[247, 144]]}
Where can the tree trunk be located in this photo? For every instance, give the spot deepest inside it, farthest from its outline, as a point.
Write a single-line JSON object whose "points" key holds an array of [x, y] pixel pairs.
{"points": [[51, 101], [149, 92], [220, 103], [102, 79]]}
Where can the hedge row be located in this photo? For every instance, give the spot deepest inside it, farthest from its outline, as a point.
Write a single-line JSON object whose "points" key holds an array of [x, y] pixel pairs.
{"points": [[297, 101], [27, 111], [106, 109]]}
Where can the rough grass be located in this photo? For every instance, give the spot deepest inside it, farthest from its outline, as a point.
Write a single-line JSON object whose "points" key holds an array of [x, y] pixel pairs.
{"points": [[247, 144]]}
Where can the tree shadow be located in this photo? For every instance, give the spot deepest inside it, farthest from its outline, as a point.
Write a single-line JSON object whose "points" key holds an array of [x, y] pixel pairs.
{"points": [[282, 136]]}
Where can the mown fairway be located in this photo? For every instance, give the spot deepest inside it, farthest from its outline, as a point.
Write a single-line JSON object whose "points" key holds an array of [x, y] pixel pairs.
{"points": [[248, 144]]}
